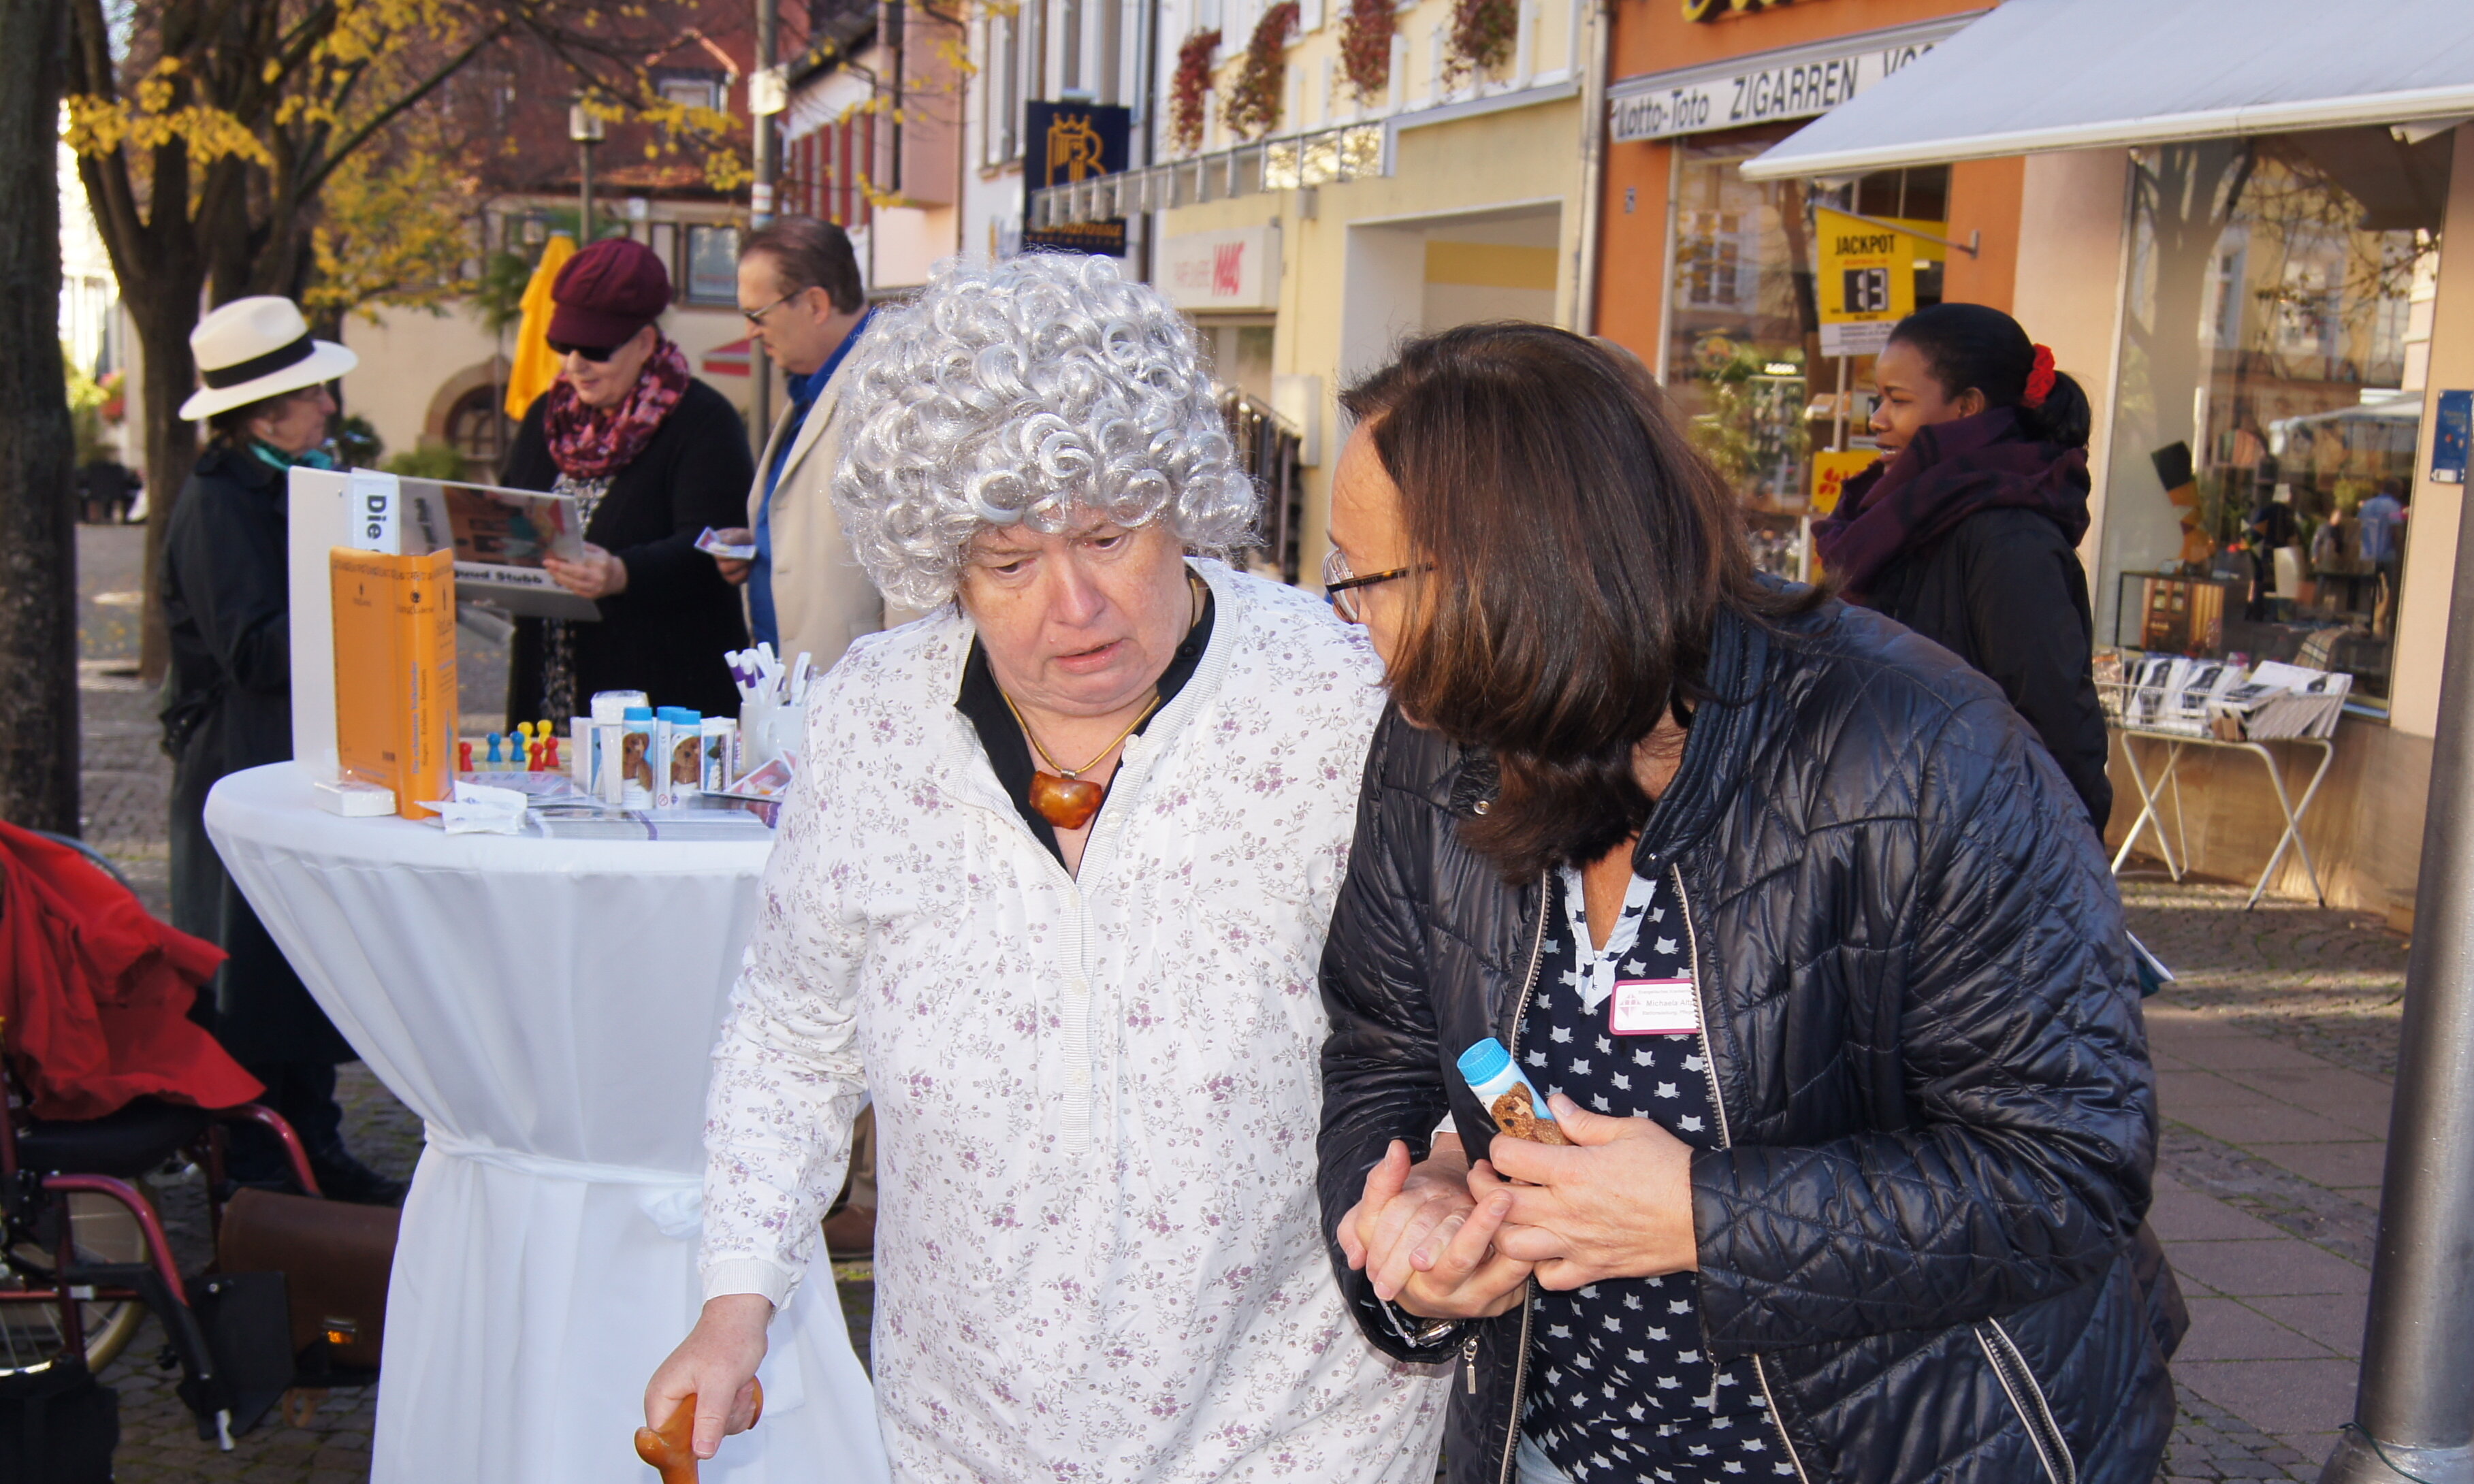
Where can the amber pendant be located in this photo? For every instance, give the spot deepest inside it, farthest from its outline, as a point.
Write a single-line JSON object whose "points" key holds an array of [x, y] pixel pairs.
{"points": [[1067, 803]]}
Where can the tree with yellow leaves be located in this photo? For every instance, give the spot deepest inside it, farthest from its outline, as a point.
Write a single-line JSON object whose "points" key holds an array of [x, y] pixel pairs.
{"points": [[215, 138]]}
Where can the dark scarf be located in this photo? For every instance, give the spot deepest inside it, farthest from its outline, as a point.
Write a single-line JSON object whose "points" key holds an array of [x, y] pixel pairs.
{"points": [[1949, 472], [595, 443]]}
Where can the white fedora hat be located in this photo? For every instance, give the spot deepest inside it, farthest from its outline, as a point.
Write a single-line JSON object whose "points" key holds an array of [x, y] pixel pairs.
{"points": [[253, 348]]}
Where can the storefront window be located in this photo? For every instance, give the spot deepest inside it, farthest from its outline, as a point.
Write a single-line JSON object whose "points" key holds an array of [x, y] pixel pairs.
{"points": [[2275, 336], [1743, 353]]}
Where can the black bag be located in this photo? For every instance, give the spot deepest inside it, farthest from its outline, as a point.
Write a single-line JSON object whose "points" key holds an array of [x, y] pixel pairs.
{"points": [[58, 1426], [248, 1320]]}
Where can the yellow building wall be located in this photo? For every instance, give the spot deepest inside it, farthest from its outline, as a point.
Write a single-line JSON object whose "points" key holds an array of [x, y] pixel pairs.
{"points": [[1479, 220]]}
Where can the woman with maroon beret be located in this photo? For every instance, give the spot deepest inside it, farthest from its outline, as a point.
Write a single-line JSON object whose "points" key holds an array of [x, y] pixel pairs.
{"points": [[653, 456]]}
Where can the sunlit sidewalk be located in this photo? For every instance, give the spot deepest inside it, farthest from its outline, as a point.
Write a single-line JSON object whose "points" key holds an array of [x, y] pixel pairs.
{"points": [[2274, 1059]]}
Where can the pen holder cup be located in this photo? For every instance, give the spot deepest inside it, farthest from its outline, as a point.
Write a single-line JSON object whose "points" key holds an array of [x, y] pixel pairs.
{"points": [[768, 730]]}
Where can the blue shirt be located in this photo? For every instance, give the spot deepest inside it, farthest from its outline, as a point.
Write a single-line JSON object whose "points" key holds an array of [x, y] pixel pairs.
{"points": [[804, 390]]}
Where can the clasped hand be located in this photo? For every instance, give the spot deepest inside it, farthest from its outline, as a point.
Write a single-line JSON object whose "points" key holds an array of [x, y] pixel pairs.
{"points": [[1447, 1240]]}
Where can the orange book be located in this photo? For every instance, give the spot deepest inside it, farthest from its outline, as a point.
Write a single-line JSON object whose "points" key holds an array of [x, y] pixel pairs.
{"points": [[395, 673]]}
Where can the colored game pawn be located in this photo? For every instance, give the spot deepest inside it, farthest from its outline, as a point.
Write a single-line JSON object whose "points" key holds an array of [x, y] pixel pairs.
{"points": [[463, 757], [495, 764], [549, 756]]}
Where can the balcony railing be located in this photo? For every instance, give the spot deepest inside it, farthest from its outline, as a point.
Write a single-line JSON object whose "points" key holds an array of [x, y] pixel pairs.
{"points": [[1349, 152]]}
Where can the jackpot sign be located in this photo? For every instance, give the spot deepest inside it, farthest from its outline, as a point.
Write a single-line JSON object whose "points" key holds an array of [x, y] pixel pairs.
{"points": [[1798, 84]]}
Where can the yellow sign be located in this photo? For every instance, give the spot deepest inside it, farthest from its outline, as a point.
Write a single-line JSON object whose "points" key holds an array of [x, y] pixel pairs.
{"points": [[1867, 271], [1831, 469]]}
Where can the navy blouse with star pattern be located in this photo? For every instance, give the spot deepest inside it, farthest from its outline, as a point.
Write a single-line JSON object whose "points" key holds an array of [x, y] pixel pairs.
{"points": [[1621, 1389]]}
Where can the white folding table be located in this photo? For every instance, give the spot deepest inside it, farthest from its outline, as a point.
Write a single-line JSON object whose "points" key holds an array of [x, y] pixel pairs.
{"points": [[2151, 821]]}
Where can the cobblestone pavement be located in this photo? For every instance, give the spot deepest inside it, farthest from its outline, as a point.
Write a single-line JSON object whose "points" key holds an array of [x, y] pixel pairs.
{"points": [[2325, 980], [2274, 1049]]}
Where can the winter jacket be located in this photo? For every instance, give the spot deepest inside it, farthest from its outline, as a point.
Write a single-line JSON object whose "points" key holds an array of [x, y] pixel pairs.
{"points": [[95, 994], [665, 635], [228, 602], [1990, 573], [1925, 1225]]}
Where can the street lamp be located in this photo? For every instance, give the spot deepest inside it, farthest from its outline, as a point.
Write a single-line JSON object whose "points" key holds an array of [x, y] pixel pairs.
{"points": [[584, 127]]}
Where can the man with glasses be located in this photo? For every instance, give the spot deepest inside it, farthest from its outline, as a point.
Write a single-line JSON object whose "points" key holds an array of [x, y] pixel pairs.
{"points": [[799, 287]]}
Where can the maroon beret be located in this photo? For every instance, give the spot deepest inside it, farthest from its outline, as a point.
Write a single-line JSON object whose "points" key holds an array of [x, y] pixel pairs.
{"points": [[606, 293]]}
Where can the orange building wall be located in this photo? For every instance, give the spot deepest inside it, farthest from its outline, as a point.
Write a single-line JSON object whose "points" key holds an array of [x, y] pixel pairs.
{"points": [[1632, 246], [1984, 196], [1651, 36]]}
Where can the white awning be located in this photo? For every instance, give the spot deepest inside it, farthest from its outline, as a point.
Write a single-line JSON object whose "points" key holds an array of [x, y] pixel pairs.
{"points": [[2041, 75]]}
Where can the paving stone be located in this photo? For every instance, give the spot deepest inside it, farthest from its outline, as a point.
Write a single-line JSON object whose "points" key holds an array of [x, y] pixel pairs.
{"points": [[2229, 1330]]}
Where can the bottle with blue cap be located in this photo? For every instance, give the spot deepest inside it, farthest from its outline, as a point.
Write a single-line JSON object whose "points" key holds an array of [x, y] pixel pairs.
{"points": [[1509, 1099], [637, 758]]}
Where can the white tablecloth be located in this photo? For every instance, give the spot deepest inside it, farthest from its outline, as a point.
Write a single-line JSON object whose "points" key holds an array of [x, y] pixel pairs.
{"points": [[548, 1008]]}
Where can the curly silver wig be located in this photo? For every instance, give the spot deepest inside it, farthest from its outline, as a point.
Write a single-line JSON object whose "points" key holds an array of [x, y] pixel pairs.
{"points": [[1019, 393]]}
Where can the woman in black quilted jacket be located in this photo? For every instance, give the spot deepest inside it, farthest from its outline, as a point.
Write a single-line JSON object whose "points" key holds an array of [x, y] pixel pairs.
{"points": [[1790, 922], [1967, 530]]}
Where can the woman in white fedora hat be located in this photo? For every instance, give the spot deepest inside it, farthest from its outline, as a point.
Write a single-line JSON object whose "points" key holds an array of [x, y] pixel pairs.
{"points": [[266, 406]]}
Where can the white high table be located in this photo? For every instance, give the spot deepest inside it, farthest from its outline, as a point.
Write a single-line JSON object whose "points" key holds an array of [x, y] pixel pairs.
{"points": [[547, 1006]]}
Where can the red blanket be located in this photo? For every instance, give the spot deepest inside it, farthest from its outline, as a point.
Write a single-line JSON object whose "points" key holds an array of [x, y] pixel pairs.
{"points": [[96, 993]]}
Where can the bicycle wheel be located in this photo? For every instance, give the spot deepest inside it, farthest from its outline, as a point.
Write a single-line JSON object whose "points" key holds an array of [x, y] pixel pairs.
{"points": [[103, 1230]]}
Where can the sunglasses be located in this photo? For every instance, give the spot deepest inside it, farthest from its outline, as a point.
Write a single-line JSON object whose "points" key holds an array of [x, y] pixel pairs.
{"points": [[594, 354]]}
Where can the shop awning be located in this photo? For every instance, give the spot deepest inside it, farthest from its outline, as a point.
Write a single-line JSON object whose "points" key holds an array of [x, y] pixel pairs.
{"points": [[2039, 75]]}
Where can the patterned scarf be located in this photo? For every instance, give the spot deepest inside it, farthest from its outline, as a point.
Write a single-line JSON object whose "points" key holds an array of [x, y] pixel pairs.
{"points": [[1950, 471], [595, 443]]}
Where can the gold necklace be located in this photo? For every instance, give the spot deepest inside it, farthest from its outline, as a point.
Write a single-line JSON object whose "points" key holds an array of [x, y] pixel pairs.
{"points": [[1064, 798]]}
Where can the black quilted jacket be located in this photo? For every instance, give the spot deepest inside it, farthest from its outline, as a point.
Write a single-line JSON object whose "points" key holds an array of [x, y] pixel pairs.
{"points": [[1926, 1227]]}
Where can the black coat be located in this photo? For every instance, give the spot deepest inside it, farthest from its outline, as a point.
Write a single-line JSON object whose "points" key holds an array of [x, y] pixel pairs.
{"points": [[227, 600], [2003, 589], [665, 635], [1938, 1115]]}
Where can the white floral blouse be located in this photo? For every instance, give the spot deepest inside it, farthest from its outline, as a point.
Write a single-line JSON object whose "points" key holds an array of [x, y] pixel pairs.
{"points": [[1098, 1247]]}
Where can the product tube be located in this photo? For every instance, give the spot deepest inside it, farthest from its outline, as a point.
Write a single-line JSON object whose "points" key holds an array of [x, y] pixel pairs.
{"points": [[1514, 1106], [719, 733], [637, 758], [682, 776]]}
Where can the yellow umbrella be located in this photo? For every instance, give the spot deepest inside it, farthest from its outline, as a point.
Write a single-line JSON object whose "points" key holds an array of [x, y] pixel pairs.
{"points": [[536, 364]]}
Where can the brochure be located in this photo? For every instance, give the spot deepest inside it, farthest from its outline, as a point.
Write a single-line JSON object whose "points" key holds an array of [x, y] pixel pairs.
{"points": [[499, 537]]}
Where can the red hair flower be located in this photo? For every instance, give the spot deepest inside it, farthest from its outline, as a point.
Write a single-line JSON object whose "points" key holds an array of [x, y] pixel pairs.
{"points": [[2040, 378]]}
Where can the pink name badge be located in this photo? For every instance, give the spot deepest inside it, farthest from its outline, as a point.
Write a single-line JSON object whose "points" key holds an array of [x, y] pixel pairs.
{"points": [[1654, 1006]]}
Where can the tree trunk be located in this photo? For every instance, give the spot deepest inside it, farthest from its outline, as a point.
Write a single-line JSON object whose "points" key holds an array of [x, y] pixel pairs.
{"points": [[38, 699]]}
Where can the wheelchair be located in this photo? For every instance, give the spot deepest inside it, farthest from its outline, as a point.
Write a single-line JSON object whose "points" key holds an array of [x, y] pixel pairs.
{"points": [[84, 1256]]}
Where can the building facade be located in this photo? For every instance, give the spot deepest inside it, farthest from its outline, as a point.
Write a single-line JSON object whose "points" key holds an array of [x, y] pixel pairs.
{"points": [[2262, 280], [1308, 220]]}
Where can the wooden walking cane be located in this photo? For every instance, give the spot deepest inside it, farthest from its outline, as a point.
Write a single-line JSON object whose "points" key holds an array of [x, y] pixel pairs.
{"points": [[673, 1449]]}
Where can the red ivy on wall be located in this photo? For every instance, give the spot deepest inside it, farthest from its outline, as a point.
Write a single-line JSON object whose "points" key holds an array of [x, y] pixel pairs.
{"points": [[1186, 89], [1483, 35], [1254, 99], [1365, 47]]}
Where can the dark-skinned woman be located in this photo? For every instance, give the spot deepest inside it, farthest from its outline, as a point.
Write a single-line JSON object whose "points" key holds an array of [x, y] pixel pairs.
{"points": [[653, 456], [1967, 529], [227, 601], [1791, 921]]}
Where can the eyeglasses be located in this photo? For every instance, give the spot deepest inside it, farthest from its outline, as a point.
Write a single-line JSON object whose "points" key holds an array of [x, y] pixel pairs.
{"points": [[756, 317], [1340, 585], [595, 353]]}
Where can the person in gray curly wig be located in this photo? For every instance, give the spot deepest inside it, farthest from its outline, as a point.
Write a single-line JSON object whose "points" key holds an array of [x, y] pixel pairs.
{"points": [[1017, 394], [1053, 879]]}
